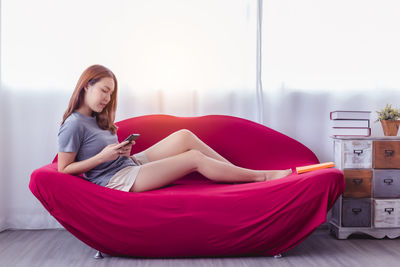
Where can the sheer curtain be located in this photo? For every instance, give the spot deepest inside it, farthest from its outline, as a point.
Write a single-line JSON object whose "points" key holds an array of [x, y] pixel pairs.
{"points": [[319, 56], [177, 57]]}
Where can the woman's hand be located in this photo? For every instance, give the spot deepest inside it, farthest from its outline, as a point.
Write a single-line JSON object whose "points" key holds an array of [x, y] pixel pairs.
{"points": [[113, 151], [126, 149]]}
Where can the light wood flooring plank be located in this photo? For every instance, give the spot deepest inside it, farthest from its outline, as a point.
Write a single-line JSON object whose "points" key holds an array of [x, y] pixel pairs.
{"points": [[59, 248]]}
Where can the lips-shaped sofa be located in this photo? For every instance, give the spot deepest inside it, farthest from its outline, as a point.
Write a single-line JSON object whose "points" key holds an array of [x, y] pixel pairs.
{"points": [[194, 216]]}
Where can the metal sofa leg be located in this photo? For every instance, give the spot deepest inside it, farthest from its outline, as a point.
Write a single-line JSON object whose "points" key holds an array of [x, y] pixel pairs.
{"points": [[278, 256], [98, 255]]}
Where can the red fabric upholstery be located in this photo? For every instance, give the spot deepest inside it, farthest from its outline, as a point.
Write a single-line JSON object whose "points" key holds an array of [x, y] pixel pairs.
{"points": [[195, 216]]}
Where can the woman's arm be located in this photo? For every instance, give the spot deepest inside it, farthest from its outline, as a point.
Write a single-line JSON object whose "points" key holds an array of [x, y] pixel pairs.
{"points": [[67, 164]]}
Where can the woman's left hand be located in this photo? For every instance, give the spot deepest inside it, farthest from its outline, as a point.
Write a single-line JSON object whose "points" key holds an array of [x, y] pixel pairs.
{"points": [[126, 150]]}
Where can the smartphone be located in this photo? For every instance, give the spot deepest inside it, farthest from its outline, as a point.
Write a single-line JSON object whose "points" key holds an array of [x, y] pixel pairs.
{"points": [[132, 137]]}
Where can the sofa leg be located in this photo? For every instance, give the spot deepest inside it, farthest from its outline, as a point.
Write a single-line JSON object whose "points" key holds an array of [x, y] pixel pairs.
{"points": [[278, 256], [98, 255]]}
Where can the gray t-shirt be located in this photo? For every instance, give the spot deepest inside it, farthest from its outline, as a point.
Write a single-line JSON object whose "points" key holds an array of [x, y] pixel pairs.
{"points": [[81, 134]]}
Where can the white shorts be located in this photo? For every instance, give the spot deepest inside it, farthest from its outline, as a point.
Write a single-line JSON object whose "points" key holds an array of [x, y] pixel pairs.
{"points": [[124, 179]]}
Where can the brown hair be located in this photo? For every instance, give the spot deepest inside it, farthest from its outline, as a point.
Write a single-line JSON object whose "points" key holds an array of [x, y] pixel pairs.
{"points": [[90, 76]]}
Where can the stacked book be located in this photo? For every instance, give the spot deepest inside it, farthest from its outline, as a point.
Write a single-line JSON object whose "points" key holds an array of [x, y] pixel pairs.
{"points": [[350, 123]]}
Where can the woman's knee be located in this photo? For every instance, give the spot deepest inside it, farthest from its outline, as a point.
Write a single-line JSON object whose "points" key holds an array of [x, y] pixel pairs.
{"points": [[186, 135]]}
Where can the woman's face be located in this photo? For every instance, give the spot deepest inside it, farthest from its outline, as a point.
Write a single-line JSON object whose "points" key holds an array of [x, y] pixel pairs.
{"points": [[99, 95]]}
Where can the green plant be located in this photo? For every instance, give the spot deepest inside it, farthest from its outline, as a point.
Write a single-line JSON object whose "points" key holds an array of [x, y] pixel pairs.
{"points": [[388, 113]]}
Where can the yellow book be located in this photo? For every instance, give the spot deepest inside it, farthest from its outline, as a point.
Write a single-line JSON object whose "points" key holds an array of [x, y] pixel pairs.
{"points": [[314, 167]]}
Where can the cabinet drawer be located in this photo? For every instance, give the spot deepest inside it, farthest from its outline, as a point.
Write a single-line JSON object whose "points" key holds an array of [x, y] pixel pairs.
{"points": [[356, 212], [358, 183], [353, 154], [386, 213], [386, 183], [386, 154]]}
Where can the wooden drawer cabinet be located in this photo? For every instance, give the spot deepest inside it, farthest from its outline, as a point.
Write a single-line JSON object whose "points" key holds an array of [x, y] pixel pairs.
{"points": [[370, 203]]}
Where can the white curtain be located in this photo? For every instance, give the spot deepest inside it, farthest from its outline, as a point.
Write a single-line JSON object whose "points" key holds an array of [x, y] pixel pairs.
{"points": [[177, 57], [319, 56], [188, 58]]}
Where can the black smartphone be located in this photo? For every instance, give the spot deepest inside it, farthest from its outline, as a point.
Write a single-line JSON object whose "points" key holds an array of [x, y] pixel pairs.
{"points": [[132, 137]]}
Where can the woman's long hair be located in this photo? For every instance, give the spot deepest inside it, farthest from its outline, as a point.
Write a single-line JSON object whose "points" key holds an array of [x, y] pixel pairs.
{"points": [[90, 76]]}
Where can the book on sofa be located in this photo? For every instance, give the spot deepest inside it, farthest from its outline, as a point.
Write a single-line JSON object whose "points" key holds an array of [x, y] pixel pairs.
{"points": [[314, 167]]}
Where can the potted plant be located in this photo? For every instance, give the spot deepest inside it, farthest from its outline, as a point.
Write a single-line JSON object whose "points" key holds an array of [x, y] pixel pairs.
{"points": [[389, 118]]}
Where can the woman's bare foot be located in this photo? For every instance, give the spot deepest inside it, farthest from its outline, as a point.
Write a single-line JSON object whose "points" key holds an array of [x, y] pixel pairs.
{"points": [[276, 174]]}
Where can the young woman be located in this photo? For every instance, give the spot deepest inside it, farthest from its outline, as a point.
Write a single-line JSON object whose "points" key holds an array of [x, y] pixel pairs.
{"points": [[88, 144]]}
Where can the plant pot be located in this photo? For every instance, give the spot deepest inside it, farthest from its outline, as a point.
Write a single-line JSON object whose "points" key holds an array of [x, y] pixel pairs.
{"points": [[390, 128]]}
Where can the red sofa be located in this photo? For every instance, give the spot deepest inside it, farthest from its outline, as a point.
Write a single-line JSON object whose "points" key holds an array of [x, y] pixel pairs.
{"points": [[194, 216]]}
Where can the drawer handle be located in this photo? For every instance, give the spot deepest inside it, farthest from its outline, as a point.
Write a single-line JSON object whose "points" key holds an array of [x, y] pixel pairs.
{"points": [[357, 181], [356, 210], [388, 181], [358, 151], [389, 210], [389, 153]]}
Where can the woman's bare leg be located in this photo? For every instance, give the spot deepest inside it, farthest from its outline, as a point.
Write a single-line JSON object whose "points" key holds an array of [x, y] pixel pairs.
{"points": [[162, 172], [179, 142]]}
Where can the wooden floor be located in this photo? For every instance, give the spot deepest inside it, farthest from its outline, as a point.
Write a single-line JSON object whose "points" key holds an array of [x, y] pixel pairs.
{"points": [[59, 248]]}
